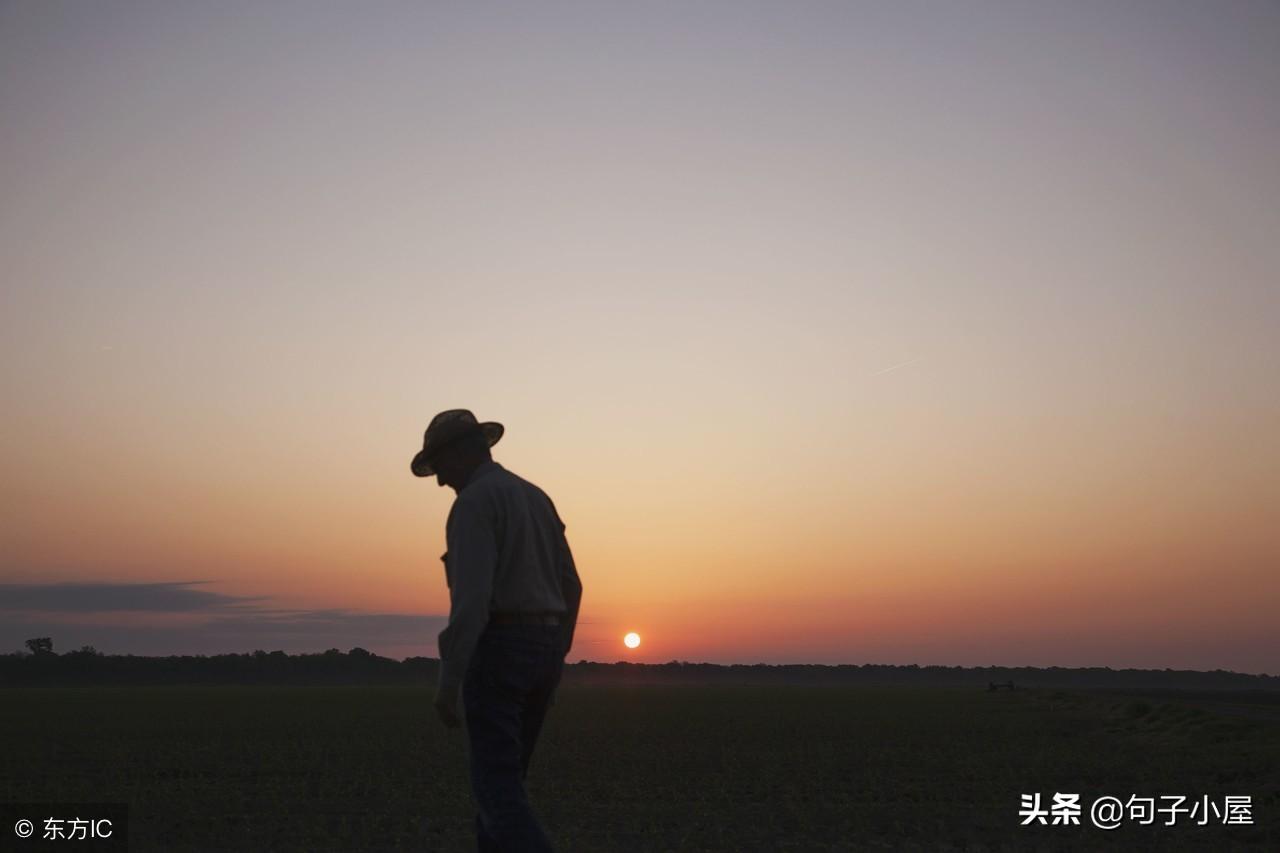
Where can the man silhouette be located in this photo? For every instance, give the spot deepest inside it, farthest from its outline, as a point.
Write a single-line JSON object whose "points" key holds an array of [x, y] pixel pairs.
{"points": [[514, 595]]}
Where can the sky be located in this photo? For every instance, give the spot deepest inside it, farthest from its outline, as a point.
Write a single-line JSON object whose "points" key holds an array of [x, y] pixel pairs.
{"points": [[935, 333]]}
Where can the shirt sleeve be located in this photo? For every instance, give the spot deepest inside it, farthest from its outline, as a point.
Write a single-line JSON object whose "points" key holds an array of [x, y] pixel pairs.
{"points": [[473, 555], [570, 588]]}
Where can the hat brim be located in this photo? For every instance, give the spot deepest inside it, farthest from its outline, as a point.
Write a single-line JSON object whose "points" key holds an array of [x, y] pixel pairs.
{"points": [[491, 430]]}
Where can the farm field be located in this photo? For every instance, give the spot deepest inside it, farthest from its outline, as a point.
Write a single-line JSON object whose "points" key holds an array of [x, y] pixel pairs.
{"points": [[644, 768]]}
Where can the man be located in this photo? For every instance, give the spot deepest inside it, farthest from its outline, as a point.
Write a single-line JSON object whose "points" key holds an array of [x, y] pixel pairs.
{"points": [[514, 595]]}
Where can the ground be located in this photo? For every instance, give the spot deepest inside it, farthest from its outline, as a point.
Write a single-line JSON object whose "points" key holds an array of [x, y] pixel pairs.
{"points": [[647, 768]]}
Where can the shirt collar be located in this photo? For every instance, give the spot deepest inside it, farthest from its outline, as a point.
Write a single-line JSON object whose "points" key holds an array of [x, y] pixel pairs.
{"points": [[481, 470]]}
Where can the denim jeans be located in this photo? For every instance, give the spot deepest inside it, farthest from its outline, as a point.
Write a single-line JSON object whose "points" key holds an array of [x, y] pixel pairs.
{"points": [[508, 687]]}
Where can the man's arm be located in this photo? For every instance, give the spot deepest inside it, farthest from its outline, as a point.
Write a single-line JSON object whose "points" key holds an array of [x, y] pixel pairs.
{"points": [[571, 589], [473, 552]]}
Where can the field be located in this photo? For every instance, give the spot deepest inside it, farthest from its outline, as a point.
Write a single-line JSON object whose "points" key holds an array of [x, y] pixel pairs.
{"points": [[646, 768]]}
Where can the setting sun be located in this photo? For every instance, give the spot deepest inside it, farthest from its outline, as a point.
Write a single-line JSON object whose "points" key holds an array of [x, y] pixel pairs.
{"points": [[632, 640]]}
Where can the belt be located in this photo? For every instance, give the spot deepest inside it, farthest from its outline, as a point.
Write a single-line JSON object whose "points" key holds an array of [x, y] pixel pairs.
{"points": [[530, 617]]}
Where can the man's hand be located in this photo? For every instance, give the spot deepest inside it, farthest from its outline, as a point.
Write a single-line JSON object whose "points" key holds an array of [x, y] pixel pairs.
{"points": [[446, 703]]}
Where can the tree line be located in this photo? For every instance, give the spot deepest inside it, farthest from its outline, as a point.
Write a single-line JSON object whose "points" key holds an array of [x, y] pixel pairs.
{"points": [[40, 665]]}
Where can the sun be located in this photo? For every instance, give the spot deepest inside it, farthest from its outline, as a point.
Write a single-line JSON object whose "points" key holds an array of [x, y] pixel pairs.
{"points": [[632, 640]]}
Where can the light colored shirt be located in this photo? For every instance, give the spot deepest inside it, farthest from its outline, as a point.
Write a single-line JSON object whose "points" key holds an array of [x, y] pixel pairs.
{"points": [[506, 551]]}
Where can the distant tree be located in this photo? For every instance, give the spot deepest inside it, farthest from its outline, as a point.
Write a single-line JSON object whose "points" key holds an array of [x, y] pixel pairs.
{"points": [[358, 652], [40, 645], [87, 650]]}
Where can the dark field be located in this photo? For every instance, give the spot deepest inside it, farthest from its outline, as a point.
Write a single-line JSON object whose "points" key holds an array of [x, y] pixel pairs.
{"points": [[647, 768]]}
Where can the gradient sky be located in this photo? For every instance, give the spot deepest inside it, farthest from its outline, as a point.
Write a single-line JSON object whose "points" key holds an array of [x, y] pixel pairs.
{"points": [[937, 333]]}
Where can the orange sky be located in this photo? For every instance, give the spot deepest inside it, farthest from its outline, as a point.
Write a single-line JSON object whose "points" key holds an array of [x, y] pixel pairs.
{"points": [[945, 341]]}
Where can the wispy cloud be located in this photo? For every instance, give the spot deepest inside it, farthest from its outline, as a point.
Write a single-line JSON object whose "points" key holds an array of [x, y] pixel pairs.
{"points": [[896, 366], [168, 597]]}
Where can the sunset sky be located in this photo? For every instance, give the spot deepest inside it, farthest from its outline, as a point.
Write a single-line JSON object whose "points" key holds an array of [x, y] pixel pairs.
{"points": [[936, 333]]}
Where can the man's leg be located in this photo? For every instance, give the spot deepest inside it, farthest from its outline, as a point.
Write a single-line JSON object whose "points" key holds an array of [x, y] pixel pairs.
{"points": [[495, 707], [535, 713], [485, 842]]}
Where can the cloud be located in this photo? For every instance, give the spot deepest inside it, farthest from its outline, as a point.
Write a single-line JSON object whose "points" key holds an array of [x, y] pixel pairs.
{"points": [[178, 618], [896, 366], [168, 597]]}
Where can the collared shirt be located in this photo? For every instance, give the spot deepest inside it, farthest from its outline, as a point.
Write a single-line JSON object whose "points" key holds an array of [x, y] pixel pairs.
{"points": [[506, 551]]}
